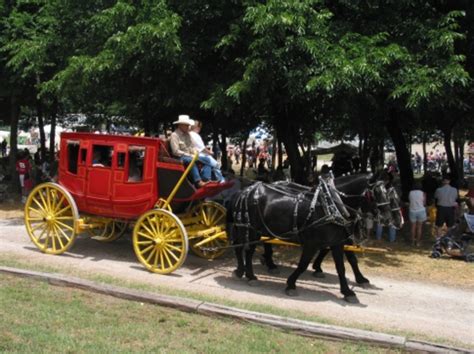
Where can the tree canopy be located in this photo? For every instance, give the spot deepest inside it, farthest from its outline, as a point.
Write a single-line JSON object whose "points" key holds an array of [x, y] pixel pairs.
{"points": [[372, 69]]}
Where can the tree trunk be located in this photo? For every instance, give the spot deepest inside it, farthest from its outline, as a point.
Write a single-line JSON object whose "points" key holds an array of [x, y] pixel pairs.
{"points": [[447, 132], [363, 152], [39, 112], [14, 117], [223, 146], [52, 136], [274, 145], [288, 137], [375, 154], [403, 155], [459, 155], [425, 155], [280, 153], [146, 125], [243, 153]]}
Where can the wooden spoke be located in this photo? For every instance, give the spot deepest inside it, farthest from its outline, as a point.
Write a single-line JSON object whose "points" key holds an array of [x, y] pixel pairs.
{"points": [[155, 262], [70, 228], [39, 206], [153, 251], [171, 253], [145, 235], [144, 242], [174, 248], [63, 210], [145, 250]]}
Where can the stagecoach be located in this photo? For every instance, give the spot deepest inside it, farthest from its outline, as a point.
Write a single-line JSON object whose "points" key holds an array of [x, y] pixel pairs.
{"points": [[107, 183]]}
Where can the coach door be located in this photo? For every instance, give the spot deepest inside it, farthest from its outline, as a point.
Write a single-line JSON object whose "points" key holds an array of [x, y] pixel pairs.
{"points": [[99, 176]]}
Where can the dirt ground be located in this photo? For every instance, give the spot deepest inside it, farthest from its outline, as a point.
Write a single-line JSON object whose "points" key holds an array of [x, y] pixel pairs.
{"points": [[394, 303]]}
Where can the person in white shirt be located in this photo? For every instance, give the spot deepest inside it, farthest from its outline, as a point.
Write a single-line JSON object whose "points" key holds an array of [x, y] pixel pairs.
{"points": [[417, 213], [205, 155]]}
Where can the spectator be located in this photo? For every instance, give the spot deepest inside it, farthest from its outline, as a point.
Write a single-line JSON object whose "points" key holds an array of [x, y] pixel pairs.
{"points": [[23, 168], [446, 201], [356, 163], [417, 213], [3, 147], [470, 201], [237, 155], [262, 172], [418, 162], [429, 186]]}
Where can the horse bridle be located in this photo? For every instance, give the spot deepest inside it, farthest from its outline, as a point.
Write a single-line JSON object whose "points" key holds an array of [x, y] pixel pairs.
{"points": [[370, 191]]}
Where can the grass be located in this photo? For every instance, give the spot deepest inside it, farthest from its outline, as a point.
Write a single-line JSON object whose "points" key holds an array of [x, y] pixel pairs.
{"points": [[6, 260], [39, 318]]}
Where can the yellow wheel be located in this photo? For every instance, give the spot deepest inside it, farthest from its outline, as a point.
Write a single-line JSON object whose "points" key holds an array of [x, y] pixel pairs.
{"points": [[160, 241], [211, 215], [50, 212], [110, 231]]}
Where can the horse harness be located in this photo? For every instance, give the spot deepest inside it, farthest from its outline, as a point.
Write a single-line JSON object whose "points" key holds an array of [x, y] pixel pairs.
{"points": [[321, 197]]}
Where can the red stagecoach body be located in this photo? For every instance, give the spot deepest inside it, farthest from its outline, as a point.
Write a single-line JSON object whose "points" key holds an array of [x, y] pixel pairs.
{"points": [[97, 169]]}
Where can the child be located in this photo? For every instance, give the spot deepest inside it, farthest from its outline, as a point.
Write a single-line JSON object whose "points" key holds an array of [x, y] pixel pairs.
{"points": [[23, 168]]}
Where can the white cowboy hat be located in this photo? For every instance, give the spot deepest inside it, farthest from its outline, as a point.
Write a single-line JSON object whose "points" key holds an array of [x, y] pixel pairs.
{"points": [[184, 119]]}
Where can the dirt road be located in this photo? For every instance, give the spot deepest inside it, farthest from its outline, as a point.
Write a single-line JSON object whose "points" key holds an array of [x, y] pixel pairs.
{"points": [[417, 308]]}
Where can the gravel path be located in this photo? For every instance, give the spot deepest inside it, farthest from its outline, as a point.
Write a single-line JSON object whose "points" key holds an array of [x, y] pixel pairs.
{"points": [[436, 311]]}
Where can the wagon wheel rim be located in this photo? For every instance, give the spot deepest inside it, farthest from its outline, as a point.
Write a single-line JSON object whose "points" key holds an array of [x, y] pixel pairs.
{"points": [[111, 231], [50, 214], [211, 214], [160, 241]]}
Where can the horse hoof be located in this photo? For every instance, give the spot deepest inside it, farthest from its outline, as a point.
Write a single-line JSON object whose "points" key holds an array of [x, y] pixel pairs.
{"points": [[237, 274], [318, 274], [291, 292], [274, 271], [352, 299], [365, 285], [253, 282]]}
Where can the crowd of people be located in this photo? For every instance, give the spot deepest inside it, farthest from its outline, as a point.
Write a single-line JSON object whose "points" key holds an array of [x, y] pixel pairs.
{"points": [[437, 161]]}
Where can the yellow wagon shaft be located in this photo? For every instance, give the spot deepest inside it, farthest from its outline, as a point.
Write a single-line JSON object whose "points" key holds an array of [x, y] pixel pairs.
{"points": [[353, 248]]}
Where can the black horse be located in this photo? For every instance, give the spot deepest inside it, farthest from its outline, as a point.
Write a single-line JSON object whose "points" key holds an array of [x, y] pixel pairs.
{"points": [[395, 219], [297, 214], [364, 203]]}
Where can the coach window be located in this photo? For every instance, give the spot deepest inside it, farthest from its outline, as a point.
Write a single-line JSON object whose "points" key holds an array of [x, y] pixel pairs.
{"points": [[72, 155], [102, 156], [136, 156]]}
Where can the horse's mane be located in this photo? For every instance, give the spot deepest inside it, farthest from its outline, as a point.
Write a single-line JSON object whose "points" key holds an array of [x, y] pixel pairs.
{"points": [[351, 180]]}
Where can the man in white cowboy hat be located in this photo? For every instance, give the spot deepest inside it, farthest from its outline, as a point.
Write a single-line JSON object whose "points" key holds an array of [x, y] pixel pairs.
{"points": [[183, 148]]}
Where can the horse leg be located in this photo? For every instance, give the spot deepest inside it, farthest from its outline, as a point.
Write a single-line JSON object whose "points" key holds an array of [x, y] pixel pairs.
{"points": [[267, 259], [318, 272], [360, 279], [240, 270], [239, 250], [306, 256], [338, 256], [249, 274]]}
